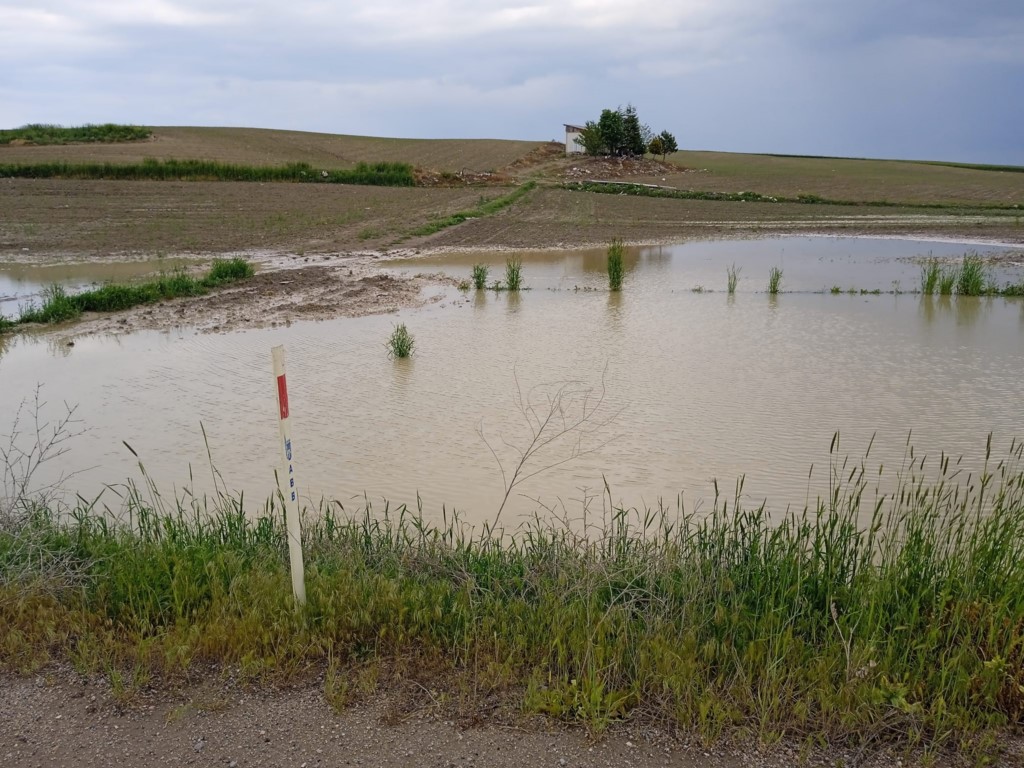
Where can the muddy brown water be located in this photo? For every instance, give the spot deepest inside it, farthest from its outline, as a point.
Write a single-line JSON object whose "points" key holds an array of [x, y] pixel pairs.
{"points": [[697, 386]]}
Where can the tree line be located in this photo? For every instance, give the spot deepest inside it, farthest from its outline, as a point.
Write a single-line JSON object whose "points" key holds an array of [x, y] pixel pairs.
{"points": [[619, 132]]}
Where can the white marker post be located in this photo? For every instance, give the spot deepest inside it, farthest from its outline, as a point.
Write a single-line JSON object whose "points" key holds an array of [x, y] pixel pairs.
{"points": [[291, 495]]}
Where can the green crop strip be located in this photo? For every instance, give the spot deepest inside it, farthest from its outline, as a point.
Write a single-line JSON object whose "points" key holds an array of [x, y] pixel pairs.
{"points": [[376, 174]]}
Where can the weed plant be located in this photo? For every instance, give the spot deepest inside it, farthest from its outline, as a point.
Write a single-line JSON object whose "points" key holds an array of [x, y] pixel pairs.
{"points": [[480, 272], [866, 620], [39, 133], [616, 268], [947, 282], [971, 278], [401, 342], [513, 273], [733, 277], [774, 280], [931, 273]]}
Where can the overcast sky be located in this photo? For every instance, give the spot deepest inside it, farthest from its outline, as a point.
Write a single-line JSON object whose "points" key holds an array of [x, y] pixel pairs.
{"points": [[927, 79]]}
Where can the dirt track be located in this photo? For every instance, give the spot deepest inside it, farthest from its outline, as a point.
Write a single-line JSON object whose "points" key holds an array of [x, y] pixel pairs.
{"points": [[60, 719]]}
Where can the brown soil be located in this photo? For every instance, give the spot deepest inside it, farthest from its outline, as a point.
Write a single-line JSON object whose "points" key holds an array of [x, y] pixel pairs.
{"points": [[254, 146], [60, 719]]}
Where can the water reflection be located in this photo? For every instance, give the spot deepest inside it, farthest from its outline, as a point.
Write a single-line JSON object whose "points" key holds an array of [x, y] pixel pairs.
{"points": [[513, 301], [965, 311], [968, 308], [615, 310], [480, 299]]}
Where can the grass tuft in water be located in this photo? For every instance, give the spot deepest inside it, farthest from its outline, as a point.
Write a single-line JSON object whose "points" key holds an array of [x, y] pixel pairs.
{"points": [[401, 342], [774, 280], [513, 273], [972, 277], [480, 272], [931, 272], [733, 277], [616, 268]]}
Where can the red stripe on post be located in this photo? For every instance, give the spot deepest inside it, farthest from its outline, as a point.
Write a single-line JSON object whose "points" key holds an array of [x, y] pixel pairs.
{"points": [[282, 396]]}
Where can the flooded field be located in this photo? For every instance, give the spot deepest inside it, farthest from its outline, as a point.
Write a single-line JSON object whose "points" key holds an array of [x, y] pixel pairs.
{"points": [[688, 383]]}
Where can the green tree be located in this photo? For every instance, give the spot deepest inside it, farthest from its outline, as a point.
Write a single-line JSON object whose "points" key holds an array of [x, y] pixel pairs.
{"points": [[612, 131], [654, 146], [632, 132], [591, 138], [668, 144]]}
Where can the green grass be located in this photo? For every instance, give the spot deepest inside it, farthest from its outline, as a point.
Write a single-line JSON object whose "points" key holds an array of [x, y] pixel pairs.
{"points": [[401, 342], [513, 273], [483, 209], [374, 174], [58, 306], [40, 134], [480, 272], [863, 621], [931, 273], [970, 277], [732, 278], [774, 280], [616, 269]]}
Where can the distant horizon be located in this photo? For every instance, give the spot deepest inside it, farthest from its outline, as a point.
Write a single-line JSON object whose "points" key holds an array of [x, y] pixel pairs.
{"points": [[807, 156]]}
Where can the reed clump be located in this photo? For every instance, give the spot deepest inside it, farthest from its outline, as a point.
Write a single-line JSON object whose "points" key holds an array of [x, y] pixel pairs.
{"points": [[480, 272], [513, 273], [401, 342], [971, 277], [866, 620], [733, 277], [616, 267], [774, 280]]}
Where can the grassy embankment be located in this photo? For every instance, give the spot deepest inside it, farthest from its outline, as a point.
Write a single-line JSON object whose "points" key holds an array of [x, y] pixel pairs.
{"points": [[41, 134], [379, 174], [58, 306], [863, 621]]}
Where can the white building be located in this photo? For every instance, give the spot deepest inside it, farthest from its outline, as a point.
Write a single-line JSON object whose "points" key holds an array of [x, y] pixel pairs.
{"points": [[573, 145]]}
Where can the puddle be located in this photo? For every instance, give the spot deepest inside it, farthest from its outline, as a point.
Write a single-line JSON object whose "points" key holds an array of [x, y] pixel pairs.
{"points": [[697, 386]]}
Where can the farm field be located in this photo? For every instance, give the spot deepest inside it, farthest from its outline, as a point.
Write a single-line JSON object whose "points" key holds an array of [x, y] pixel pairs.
{"points": [[851, 602]]}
